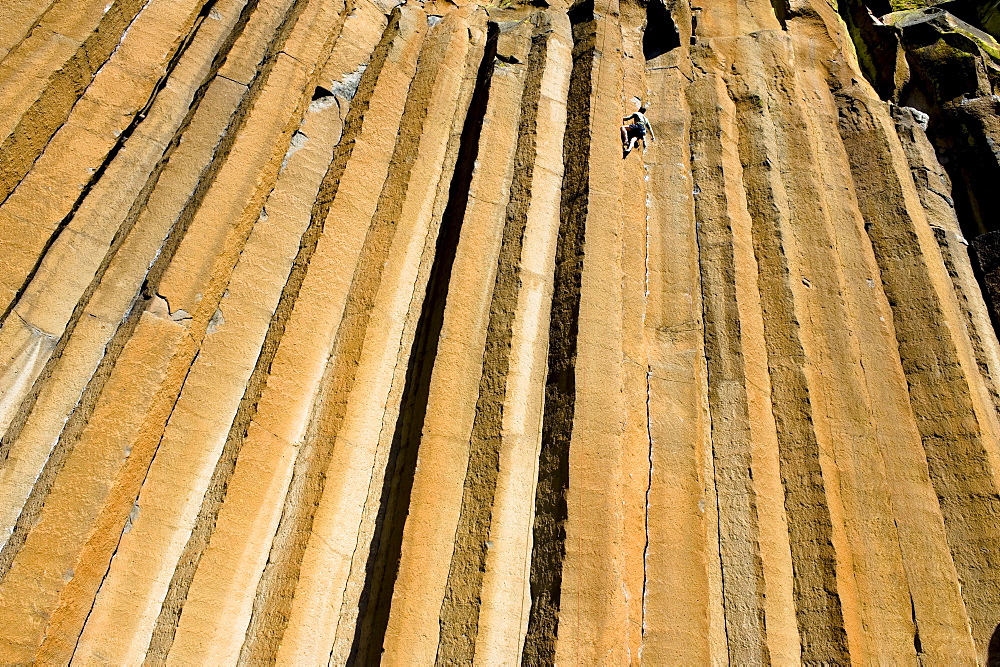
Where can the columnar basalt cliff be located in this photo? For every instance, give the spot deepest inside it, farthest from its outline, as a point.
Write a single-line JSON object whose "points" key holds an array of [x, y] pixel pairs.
{"points": [[339, 331]]}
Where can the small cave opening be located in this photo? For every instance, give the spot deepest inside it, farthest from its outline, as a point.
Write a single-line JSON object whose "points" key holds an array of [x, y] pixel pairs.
{"points": [[581, 12], [320, 93], [878, 7], [661, 34], [781, 12]]}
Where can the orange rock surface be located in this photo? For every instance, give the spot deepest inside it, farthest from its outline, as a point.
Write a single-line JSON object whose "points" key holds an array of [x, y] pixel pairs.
{"points": [[340, 331]]}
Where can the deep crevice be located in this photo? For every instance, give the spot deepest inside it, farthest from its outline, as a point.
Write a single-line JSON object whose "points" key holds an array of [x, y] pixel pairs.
{"points": [[917, 644], [460, 609], [382, 566], [549, 531]]}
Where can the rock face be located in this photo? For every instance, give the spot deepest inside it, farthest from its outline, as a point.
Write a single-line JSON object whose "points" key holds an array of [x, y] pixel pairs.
{"points": [[343, 332]]}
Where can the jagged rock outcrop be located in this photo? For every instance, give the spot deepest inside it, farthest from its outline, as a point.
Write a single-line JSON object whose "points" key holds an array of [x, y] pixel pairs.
{"points": [[342, 332]]}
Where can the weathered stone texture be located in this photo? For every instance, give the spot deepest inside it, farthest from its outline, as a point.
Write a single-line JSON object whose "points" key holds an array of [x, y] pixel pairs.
{"points": [[339, 331]]}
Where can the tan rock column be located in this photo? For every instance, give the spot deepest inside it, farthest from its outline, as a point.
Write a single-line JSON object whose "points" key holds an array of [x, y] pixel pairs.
{"points": [[21, 18], [505, 594], [225, 554], [586, 598], [934, 189], [955, 412], [134, 587], [59, 144], [106, 437], [593, 611], [734, 349], [356, 619], [324, 321], [879, 570], [637, 441], [683, 605], [371, 341]]}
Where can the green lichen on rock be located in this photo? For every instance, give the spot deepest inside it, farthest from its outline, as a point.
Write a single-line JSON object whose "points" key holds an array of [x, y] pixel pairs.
{"points": [[945, 24], [903, 5]]}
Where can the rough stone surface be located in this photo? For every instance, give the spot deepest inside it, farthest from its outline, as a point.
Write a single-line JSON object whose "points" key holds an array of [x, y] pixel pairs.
{"points": [[340, 331]]}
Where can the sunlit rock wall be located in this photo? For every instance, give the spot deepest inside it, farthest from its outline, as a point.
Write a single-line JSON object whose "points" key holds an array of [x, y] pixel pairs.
{"points": [[339, 333]]}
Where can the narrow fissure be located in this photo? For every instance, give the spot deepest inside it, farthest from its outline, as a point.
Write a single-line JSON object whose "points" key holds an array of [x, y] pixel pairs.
{"points": [[549, 531], [460, 609], [917, 645], [647, 498], [382, 566]]}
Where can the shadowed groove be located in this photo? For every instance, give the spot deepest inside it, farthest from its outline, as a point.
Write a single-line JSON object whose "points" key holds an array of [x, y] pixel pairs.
{"points": [[460, 607], [383, 559], [549, 532]]}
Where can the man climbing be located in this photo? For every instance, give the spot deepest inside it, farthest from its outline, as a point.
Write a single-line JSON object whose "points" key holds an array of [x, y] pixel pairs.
{"points": [[634, 128]]}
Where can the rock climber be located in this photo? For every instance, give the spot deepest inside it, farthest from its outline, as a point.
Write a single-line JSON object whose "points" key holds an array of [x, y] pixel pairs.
{"points": [[634, 128]]}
